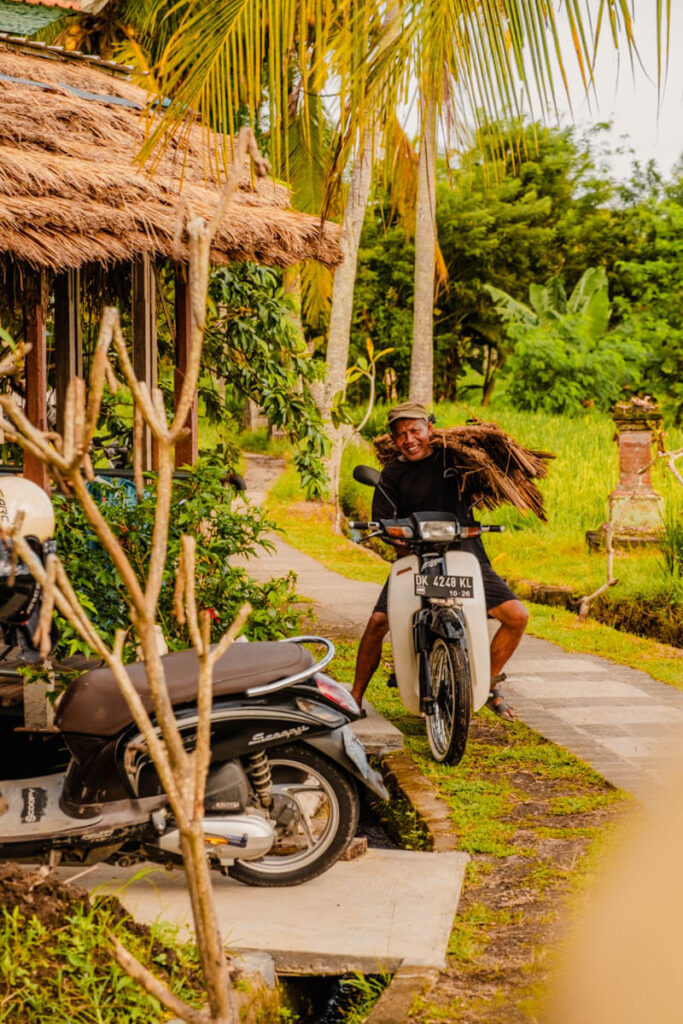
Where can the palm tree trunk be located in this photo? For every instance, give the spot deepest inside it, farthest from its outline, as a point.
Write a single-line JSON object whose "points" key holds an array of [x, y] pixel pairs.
{"points": [[422, 361], [345, 275], [342, 309]]}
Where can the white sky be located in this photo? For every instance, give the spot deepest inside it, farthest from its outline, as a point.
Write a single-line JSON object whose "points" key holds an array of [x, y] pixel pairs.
{"points": [[629, 97]]}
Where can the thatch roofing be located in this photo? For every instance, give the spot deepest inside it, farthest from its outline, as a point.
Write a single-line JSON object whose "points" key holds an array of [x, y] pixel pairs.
{"points": [[70, 192], [70, 5], [497, 469]]}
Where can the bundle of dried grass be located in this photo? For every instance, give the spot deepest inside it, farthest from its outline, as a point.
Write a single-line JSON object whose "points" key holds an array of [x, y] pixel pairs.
{"points": [[497, 468]]}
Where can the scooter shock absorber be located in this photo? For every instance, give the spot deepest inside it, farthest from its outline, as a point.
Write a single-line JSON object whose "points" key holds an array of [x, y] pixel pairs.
{"points": [[259, 772]]}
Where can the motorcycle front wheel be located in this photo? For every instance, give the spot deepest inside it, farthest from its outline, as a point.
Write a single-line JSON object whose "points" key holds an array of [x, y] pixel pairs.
{"points": [[315, 807], [448, 725]]}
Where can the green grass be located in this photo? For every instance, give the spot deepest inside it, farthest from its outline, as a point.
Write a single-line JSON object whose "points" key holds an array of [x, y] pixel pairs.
{"points": [[514, 800], [66, 975], [575, 493], [308, 526], [482, 791]]}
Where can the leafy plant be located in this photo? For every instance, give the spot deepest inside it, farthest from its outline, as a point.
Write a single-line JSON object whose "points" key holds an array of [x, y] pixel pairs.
{"points": [[253, 350], [563, 356], [367, 988], [202, 503]]}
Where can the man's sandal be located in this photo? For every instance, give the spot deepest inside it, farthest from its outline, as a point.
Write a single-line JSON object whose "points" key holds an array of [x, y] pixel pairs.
{"points": [[497, 702]]}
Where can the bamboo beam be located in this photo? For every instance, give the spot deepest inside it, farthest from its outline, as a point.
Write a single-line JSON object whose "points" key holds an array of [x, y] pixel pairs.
{"points": [[35, 312], [145, 339], [187, 448], [68, 338]]}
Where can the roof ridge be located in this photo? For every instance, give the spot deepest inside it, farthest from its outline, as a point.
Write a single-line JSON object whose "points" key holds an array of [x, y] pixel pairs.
{"points": [[53, 52]]}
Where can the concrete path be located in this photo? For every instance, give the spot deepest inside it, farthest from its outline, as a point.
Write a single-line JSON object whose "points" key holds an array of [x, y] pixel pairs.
{"points": [[620, 721], [383, 910]]}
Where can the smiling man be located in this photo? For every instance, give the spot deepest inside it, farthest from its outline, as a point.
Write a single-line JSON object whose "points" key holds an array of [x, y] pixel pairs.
{"points": [[423, 479]]}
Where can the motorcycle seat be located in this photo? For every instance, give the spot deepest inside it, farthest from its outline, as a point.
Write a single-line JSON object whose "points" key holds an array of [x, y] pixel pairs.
{"points": [[93, 704]]}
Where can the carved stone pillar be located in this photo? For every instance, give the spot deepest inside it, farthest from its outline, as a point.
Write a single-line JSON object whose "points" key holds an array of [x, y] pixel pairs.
{"points": [[635, 508]]}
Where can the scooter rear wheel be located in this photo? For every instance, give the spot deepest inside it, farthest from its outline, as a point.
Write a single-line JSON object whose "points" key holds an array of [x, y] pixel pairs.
{"points": [[448, 726], [316, 809]]}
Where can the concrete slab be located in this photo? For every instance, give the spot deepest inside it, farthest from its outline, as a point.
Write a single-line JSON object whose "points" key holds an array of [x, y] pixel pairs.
{"points": [[611, 715], [636, 748], [522, 665], [565, 687], [386, 909]]}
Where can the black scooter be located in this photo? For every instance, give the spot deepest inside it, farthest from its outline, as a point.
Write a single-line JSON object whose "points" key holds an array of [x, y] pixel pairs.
{"points": [[281, 801]]}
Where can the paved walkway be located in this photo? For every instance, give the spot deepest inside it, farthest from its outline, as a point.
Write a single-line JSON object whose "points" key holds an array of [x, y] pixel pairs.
{"points": [[619, 720]]}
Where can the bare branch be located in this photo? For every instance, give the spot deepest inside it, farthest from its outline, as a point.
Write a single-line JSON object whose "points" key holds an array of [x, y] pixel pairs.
{"points": [[138, 388], [207, 661], [74, 421], [157, 562], [188, 548], [98, 372], [139, 973], [108, 540], [44, 630], [178, 592]]}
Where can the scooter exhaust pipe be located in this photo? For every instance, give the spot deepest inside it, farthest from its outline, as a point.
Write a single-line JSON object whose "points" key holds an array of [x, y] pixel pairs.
{"points": [[239, 837]]}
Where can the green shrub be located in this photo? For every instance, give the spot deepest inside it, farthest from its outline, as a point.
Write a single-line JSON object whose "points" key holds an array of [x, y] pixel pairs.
{"points": [[202, 505]]}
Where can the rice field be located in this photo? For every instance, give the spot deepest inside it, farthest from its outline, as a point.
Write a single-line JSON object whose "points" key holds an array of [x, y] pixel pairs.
{"points": [[575, 492]]}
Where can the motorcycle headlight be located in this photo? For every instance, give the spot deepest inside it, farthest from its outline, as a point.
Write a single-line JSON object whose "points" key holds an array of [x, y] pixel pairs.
{"points": [[438, 530]]}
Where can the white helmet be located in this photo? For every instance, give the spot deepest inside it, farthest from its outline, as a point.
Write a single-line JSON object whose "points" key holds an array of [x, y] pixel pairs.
{"points": [[17, 494]]}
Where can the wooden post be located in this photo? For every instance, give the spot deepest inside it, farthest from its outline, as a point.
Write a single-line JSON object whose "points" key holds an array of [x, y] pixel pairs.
{"points": [[145, 337], [186, 450], [35, 313], [68, 338]]}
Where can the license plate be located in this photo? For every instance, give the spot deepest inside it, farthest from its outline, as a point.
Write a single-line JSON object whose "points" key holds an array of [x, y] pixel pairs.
{"points": [[435, 585]]}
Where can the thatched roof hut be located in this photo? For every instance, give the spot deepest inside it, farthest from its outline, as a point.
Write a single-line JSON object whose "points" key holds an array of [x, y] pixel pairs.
{"points": [[71, 193]]}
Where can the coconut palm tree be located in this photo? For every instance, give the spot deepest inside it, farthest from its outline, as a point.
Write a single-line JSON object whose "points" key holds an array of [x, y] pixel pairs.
{"points": [[470, 61], [480, 59]]}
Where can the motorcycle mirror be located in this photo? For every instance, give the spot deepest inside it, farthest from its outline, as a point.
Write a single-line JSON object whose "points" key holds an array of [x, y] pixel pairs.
{"points": [[237, 481], [366, 475]]}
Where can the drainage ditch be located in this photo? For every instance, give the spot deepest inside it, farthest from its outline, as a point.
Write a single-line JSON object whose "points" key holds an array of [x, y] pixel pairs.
{"points": [[336, 999], [330, 999]]}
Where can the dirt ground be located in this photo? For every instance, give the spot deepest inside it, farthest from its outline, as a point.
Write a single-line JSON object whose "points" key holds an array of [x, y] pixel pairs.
{"points": [[36, 893], [515, 909]]}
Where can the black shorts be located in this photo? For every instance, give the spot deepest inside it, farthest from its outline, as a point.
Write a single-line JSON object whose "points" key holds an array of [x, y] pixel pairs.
{"points": [[496, 591]]}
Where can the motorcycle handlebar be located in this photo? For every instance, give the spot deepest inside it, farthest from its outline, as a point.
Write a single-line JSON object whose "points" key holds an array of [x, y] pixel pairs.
{"points": [[357, 524]]}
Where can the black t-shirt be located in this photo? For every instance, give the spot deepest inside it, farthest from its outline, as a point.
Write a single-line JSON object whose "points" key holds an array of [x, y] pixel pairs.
{"points": [[429, 485]]}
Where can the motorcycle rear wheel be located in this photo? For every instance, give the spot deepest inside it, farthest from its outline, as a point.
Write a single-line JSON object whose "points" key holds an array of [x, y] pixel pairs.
{"points": [[327, 809], [448, 726]]}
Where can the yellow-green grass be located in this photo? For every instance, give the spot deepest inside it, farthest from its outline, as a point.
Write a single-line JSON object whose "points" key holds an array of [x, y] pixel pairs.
{"points": [[308, 526], [575, 491]]}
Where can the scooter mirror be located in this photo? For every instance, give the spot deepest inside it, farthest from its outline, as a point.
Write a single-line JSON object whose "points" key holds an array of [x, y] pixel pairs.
{"points": [[237, 481], [366, 475]]}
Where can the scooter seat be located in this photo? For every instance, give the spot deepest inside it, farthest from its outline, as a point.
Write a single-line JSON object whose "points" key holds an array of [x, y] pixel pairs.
{"points": [[94, 705]]}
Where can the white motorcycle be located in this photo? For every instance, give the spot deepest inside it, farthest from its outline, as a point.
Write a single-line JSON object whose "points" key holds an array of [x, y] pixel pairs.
{"points": [[437, 621]]}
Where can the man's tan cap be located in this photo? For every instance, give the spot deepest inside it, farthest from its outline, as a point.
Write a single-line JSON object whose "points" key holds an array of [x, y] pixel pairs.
{"points": [[407, 411]]}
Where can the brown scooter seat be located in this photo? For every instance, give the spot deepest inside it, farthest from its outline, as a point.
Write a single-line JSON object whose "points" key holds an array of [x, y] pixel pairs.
{"points": [[94, 705]]}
